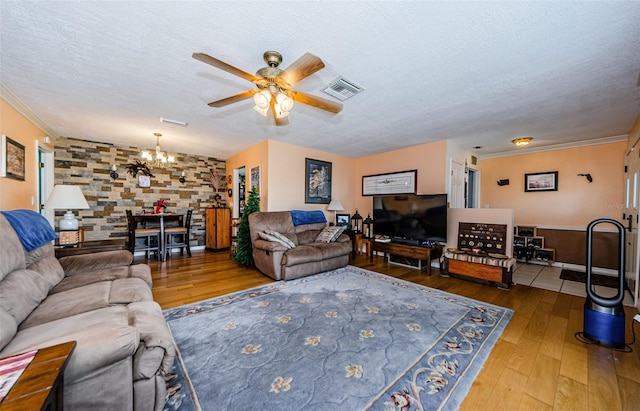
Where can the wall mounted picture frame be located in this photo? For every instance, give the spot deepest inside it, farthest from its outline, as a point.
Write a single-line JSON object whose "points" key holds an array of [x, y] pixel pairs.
{"points": [[343, 220], [254, 178], [12, 162], [144, 181], [317, 181], [546, 181], [402, 182]]}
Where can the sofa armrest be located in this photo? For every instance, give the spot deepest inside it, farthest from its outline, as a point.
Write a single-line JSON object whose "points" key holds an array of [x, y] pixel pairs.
{"points": [[157, 349], [343, 238], [95, 261], [268, 245]]}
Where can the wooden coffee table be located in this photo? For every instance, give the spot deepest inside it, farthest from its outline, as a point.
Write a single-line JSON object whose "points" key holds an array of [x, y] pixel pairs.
{"points": [[41, 385]]}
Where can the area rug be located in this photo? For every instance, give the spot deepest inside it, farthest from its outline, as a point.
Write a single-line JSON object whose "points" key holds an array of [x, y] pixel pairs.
{"points": [[596, 279], [348, 339]]}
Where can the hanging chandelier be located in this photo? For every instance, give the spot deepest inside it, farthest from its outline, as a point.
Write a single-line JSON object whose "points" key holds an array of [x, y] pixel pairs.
{"points": [[161, 158]]}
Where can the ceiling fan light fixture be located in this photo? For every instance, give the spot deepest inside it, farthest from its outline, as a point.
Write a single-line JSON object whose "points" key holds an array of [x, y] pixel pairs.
{"points": [[522, 141], [285, 102], [262, 99]]}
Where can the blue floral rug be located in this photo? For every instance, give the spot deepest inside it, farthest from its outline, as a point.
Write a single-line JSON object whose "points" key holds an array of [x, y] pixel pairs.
{"points": [[348, 339]]}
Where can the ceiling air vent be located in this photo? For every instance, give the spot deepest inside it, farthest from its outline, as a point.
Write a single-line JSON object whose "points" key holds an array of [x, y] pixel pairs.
{"points": [[342, 89]]}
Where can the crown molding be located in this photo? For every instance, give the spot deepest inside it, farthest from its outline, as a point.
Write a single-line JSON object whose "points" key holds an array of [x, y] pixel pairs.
{"points": [[554, 147], [13, 100]]}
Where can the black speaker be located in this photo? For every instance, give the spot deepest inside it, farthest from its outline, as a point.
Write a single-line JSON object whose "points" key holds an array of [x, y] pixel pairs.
{"points": [[504, 182]]}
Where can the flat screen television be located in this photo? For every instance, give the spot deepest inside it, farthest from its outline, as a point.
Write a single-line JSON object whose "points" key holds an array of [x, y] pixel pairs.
{"points": [[411, 217]]}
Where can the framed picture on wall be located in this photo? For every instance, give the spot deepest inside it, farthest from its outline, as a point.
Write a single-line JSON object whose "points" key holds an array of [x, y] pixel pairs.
{"points": [[547, 181], [317, 181], [403, 182], [12, 163], [144, 181], [255, 178]]}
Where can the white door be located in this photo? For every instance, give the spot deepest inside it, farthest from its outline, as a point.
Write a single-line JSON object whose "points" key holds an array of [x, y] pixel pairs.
{"points": [[630, 210], [456, 189]]}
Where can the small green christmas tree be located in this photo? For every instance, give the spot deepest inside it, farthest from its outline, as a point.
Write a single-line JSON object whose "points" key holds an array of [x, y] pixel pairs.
{"points": [[244, 253]]}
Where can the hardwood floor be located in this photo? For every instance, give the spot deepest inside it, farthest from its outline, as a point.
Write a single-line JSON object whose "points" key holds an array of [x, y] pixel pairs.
{"points": [[537, 363]]}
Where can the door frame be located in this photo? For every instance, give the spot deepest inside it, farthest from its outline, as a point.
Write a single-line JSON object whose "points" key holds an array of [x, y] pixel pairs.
{"points": [[45, 179]]}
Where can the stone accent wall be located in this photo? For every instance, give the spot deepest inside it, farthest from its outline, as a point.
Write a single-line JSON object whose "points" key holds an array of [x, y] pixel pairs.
{"points": [[88, 164]]}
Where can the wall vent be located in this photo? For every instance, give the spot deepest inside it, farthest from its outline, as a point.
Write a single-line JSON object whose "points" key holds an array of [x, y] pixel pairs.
{"points": [[342, 88]]}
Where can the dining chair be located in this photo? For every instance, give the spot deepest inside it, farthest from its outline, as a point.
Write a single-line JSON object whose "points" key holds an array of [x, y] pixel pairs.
{"points": [[178, 237], [142, 239]]}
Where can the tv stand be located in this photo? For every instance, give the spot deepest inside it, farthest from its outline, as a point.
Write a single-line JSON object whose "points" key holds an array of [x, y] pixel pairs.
{"points": [[406, 250]]}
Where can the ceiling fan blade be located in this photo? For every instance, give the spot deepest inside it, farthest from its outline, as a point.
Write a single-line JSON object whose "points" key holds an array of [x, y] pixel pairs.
{"points": [[233, 99], [205, 58], [318, 102], [301, 69]]}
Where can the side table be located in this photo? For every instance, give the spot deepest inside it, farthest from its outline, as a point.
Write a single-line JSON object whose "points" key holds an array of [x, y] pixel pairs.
{"points": [[41, 385], [88, 247]]}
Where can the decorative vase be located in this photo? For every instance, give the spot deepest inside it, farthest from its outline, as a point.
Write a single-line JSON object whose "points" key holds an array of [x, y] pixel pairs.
{"points": [[157, 210]]}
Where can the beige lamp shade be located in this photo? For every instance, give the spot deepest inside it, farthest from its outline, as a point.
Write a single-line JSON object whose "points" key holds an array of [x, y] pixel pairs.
{"points": [[67, 197]]}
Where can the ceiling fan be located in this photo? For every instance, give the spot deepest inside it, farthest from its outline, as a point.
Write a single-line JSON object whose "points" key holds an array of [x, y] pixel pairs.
{"points": [[274, 87]]}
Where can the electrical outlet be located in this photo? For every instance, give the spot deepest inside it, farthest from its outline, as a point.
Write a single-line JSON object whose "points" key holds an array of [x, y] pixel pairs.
{"points": [[637, 317]]}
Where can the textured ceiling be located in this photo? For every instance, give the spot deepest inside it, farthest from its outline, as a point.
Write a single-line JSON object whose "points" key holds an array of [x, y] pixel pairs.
{"points": [[478, 73]]}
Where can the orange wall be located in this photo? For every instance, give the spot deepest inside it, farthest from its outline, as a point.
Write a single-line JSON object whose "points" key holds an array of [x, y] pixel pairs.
{"points": [[287, 178], [249, 158], [284, 184], [576, 203], [283, 175], [429, 159], [16, 194]]}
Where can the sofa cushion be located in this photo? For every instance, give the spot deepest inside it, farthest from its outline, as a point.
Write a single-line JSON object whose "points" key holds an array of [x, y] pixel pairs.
{"points": [[332, 250], [87, 298], [43, 260], [301, 254], [107, 274], [21, 291], [309, 236], [95, 261], [11, 251]]}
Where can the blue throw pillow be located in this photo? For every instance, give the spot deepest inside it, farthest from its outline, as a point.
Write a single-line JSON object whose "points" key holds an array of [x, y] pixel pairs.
{"points": [[32, 229]]}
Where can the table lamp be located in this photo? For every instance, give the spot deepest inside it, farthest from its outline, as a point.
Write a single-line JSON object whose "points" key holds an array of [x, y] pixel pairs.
{"points": [[335, 205], [67, 197]]}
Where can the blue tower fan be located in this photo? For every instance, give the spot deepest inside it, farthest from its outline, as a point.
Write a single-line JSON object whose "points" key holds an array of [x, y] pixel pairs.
{"points": [[604, 316]]}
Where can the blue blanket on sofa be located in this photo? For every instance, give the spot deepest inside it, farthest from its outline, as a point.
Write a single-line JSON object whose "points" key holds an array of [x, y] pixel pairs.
{"points": [[32, 229], [300, 217]]}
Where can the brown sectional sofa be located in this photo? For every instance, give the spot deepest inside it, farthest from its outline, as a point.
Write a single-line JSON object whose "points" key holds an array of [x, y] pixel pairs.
{"points": [[306, 258], [102, 302]]}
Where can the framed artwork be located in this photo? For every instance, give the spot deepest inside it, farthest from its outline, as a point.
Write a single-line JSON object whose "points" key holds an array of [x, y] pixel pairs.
{"points": [[254, 178], [12, 163], [144, 181], [547, 181], [317, 181], [343, 219], [403, 182]]}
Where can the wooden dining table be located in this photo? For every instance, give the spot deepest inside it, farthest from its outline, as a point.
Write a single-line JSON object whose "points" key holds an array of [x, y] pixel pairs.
{"points": [[150, 220]]}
